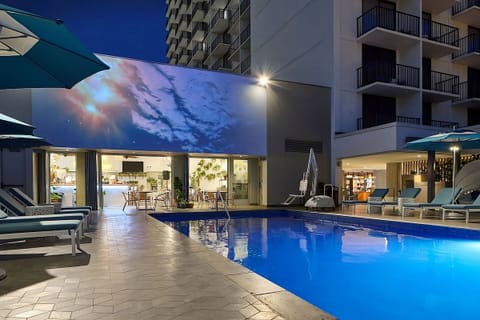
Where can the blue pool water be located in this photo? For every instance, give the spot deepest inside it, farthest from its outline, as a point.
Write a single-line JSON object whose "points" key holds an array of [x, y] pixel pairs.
{"points": [[348, 270]]}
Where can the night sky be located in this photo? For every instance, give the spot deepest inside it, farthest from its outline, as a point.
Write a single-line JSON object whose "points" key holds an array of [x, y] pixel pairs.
{"points": [[133, 29]]}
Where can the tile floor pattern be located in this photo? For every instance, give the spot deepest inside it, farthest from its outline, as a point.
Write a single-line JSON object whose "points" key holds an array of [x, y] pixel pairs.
{"points": [[134, 267]]}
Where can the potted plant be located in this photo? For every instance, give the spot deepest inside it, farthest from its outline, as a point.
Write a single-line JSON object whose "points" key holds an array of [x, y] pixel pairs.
{"points": [[179, 194]]}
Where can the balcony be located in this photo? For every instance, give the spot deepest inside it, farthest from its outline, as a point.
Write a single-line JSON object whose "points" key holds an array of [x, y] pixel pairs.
{"points": [[388, 28], [185, 38], [468, 12], [184, 4], [469, 95], [469, 53], [233, 52], [388, 80], [363, 123], [199, 10], [199, 31], [220, 44], [437, 6], [245, 37], [439, 86], [184, 56], [438, 39], [198, 52], [244, 8], [222, 65], [219, 21], [245, 66], [185, 21]]}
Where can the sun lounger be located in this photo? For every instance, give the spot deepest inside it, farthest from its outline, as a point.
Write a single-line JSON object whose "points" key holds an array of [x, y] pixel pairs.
{"points": [[407, 195], [26, 200], [377, 195], [22, 228], [444, 197], [10, 205], [465, 208]]}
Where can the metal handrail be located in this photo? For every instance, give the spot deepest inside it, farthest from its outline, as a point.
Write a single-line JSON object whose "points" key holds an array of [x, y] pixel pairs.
{"points": [[388, 19], [462, 5], [224, 204], [398, 74]]}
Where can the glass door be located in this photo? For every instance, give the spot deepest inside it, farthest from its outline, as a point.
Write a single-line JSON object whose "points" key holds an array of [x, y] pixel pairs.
{"points": [[240, 181]]}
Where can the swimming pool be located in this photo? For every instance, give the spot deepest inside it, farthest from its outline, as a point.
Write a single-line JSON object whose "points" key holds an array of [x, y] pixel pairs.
{"points": [[352, 268]]}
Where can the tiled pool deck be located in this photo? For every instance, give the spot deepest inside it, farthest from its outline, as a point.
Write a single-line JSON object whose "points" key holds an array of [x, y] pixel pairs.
{"points": [[135, 267]]}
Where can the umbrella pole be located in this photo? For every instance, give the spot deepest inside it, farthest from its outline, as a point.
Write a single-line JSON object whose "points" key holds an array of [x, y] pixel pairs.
{"points": [[454, 169]]}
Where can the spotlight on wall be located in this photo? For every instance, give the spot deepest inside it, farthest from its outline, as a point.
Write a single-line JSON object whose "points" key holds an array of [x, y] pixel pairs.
{"points": [[263, 80]]}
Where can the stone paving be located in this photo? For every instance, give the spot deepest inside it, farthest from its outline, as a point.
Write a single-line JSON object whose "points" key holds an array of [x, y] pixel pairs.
{"points": [[135, 267]]}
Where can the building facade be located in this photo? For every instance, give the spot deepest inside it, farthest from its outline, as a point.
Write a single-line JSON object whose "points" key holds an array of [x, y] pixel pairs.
{"points": [[398, 70]]}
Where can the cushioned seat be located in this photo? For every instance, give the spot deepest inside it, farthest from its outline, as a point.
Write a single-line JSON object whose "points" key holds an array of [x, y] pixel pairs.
{"points": [[377, 194], [14, 228], [467, 208], [445, 196], [407, 195]]}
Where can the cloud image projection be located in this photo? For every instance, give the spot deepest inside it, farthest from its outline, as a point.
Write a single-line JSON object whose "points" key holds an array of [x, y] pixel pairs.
{"points": [[136, 105]]}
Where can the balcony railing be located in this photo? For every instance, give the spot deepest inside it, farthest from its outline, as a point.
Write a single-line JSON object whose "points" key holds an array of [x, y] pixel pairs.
{"points": [[468, 90], [220, 14], [222, 64], [468, 44], [221, 38], [200, 26], [440, 32], [245, 65], [244, 5], [439, 81], [199, 6], [388, 73], [388, 19], [363, 123], [442, 124], [464, 5], [245, 34]]}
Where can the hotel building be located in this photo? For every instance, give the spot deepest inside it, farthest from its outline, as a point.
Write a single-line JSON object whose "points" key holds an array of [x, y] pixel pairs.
{"points": [[398, 70]]}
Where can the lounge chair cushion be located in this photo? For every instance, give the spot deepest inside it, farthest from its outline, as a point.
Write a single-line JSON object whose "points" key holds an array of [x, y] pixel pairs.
{"points": [[40, 225]]}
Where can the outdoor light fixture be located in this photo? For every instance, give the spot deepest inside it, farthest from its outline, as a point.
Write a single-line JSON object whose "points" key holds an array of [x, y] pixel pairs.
{"points": [[263, 80]]}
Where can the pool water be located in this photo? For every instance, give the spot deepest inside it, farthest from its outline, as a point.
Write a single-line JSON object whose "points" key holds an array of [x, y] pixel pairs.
{"points": [[352, 272]]}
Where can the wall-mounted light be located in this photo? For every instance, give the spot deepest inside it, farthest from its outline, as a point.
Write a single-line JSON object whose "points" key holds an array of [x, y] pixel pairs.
{"points": [[263, 80]]}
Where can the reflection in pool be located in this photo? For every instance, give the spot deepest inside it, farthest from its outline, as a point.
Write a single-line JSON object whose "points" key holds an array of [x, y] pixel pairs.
{"points": [[352, 272]]}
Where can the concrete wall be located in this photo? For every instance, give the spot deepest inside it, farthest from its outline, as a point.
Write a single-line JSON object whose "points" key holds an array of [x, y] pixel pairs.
{"points": [[299, 112], [293, 40]]}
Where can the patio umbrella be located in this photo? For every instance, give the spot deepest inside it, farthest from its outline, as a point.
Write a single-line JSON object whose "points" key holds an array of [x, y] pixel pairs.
{"points": [[36, 52], [9, 125], [452, 141]]}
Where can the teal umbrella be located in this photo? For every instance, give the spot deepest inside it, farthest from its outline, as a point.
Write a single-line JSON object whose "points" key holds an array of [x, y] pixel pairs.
{"points": [[452, 141], [36, 52]]}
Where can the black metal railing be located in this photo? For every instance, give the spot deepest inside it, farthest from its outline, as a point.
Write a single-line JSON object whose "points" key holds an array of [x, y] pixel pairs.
{"points": [[468, 90], [442, 124], [235, 44], [467, 45], [245, 34], [439, 32], [235, 16], [221, 38], [245, 65], [198, 47], [363, 123], [220, 14], [222, 64], [200, 26], [244, 5], [439, 81], [388, 19], [388, 73], [462, 5]]}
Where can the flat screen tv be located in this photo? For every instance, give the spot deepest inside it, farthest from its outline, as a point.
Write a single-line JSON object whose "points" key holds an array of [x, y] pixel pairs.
{"points": [[132, 166]]}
